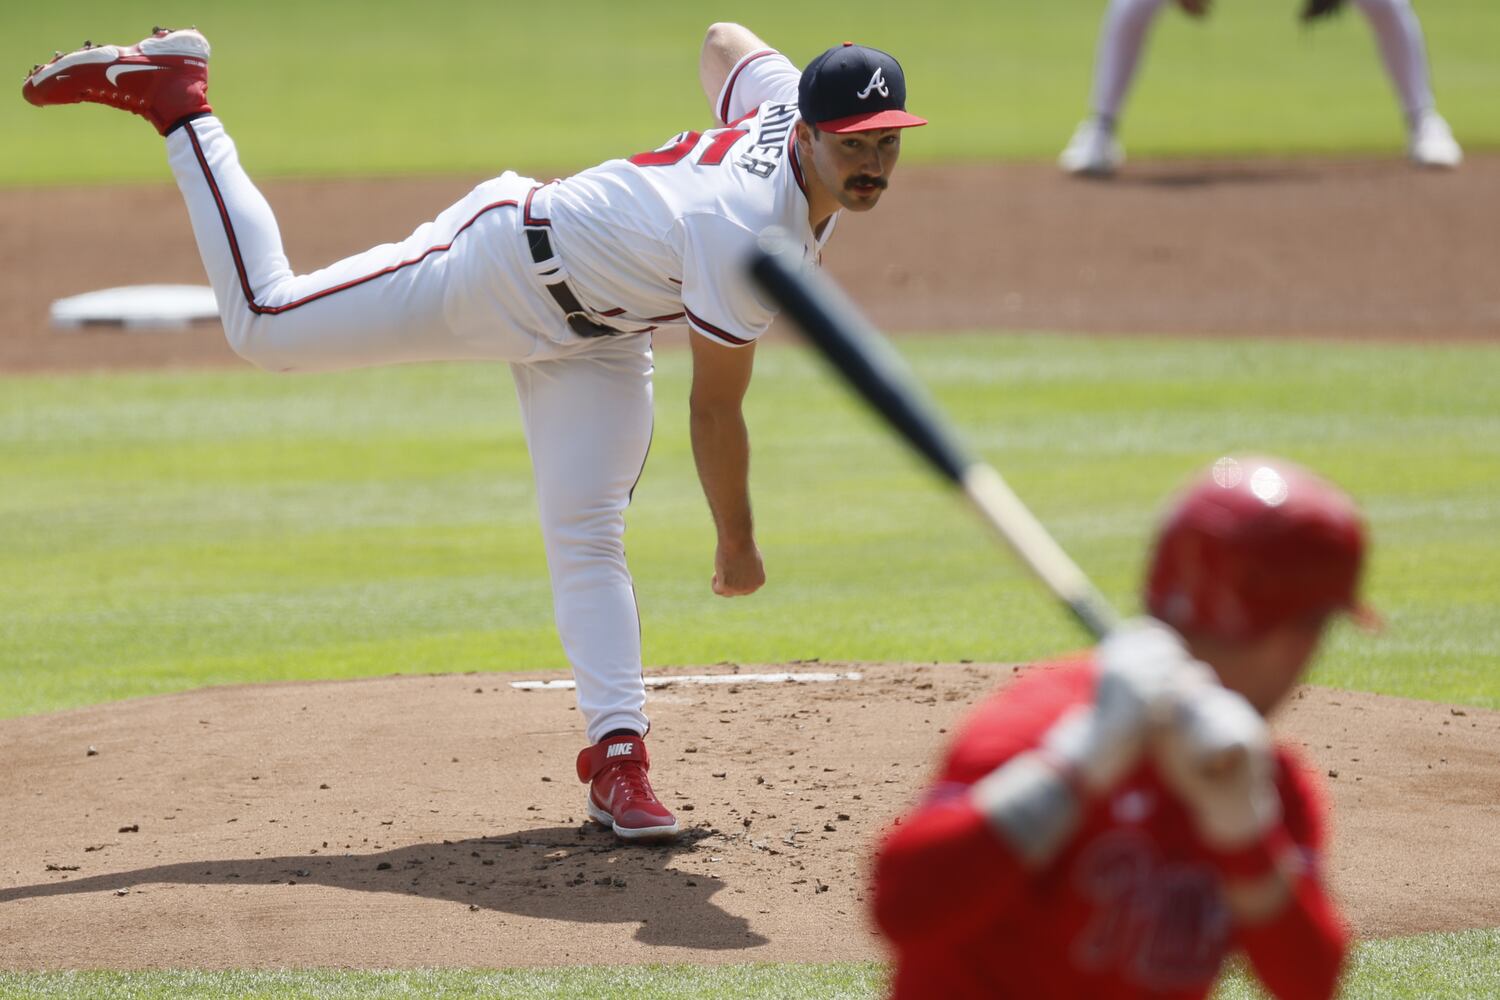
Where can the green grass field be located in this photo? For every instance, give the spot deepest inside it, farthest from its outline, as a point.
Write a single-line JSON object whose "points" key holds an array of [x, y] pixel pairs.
{"points": [[174, 530], [1432, 966], [342, 87]]}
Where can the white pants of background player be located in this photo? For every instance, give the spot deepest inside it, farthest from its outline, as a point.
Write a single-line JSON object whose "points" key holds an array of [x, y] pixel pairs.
{"points": [[1395, 24], [462, 287]]}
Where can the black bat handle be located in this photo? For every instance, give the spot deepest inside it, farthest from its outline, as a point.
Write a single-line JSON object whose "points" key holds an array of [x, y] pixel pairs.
{"points": [[833, 324], [876, 371]]}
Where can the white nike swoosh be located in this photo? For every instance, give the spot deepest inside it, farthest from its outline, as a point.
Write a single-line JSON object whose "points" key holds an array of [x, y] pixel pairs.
{"points": [[114, 73]]}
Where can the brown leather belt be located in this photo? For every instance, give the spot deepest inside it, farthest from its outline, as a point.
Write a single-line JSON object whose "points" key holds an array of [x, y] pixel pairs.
{"points": [[573, 311]]}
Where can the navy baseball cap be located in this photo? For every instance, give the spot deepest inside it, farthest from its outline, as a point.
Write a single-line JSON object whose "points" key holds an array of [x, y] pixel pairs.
{"points": [[853, 88]]}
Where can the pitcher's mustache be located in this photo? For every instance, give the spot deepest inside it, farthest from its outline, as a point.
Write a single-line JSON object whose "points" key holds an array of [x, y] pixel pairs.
{"points": [[864, 180]]}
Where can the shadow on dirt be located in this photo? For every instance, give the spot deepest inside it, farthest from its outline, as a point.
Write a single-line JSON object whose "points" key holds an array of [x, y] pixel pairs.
{"points": [[581, 874]]}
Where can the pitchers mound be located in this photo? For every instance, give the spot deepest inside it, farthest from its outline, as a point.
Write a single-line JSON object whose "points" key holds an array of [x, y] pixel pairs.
{"points": [[437, 821]]}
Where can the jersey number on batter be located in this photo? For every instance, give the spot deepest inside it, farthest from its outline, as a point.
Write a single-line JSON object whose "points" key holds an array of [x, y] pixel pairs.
{"points": [[677, 151]]}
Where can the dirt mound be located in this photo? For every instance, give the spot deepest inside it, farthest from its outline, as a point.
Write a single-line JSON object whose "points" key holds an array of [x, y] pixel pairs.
{"points": [[437, 821]]}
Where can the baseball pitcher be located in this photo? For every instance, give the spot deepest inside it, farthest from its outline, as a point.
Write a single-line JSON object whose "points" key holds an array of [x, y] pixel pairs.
{"points": [[566, 281], [1116, 824]]}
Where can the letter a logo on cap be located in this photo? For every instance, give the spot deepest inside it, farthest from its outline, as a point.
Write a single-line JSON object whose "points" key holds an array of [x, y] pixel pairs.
{"points": [[876, 85]]}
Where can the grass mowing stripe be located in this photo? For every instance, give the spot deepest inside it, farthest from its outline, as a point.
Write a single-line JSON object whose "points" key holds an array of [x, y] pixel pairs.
{"points": [[171, 530], [1465, 964], [480, 87], [842, 981], [1427, 967]]}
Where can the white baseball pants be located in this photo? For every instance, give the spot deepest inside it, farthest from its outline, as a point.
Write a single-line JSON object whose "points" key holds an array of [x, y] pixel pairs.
{"points": [[461, 287], [1127, 22]]}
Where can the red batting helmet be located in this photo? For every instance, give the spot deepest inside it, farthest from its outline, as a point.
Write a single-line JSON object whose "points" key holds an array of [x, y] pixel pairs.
{"points": [[1252, 544]]}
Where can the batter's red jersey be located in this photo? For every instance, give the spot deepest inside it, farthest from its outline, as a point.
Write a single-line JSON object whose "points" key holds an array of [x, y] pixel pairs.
{"points": [[1131, 906]]}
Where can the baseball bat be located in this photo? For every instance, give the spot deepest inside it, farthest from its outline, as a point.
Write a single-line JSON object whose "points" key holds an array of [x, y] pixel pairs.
{"points": [[874, 369]]}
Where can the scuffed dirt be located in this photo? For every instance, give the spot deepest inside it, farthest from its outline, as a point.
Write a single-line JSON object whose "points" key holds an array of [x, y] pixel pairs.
{"points": [[436, 821]]}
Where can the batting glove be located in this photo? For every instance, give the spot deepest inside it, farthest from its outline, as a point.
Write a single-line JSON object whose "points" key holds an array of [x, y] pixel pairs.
{"points": [[1214, 750], [1036, 799], [1141, 665]]}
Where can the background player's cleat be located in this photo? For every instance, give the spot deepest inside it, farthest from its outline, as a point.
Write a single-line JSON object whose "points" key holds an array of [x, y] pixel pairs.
{"points": [[1093, 151], [620, 796], [164, 78], [1432, 143]]}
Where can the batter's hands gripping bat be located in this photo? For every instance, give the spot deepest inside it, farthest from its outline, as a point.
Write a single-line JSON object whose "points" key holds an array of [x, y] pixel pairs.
{"points": [[878, 374]]}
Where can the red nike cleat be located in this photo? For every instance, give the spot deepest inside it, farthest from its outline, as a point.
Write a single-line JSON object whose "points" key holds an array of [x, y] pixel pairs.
{"points": [[620, 796], [164, 79]]}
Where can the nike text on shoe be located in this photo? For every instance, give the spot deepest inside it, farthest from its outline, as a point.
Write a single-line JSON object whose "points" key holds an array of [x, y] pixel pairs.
{"points": [[620, 796], [1093, 151], [164, 78], [1432, 143]]}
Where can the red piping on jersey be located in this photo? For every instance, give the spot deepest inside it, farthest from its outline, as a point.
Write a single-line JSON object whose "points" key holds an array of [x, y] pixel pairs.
{"points": [[791, 149], [649, 319], [239, 263], [707, 327], [526, 216], [729, 87]]}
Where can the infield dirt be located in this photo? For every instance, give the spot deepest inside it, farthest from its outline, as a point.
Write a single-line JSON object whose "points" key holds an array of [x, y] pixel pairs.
{"points": [[437, 821], [1359, 248], [425, 821]]}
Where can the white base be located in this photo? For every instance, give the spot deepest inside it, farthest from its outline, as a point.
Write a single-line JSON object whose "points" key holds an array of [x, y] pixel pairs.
{"points": [[137, 307]]}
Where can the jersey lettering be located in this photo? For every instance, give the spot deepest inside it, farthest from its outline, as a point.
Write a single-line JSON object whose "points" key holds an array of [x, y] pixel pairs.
{"points": [[688, 214], [719, 148], [674, 151], [1161, 924], [680, 146], [762, 158]]}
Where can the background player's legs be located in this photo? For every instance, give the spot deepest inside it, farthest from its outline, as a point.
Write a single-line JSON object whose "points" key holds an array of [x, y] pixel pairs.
{"points": [[382, 306], [1404, 52], [1122, 35], [588, 425]]}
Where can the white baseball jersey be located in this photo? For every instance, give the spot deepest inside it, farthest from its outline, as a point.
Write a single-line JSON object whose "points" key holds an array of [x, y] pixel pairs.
{"points": [[663, 237]]}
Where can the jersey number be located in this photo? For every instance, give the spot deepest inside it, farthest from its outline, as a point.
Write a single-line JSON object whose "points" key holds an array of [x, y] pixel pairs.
{"points": [[676, 152]]}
